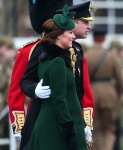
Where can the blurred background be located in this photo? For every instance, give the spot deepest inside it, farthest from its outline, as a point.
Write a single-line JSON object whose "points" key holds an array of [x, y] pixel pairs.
{"points": [[16, 30], [14, 19]]}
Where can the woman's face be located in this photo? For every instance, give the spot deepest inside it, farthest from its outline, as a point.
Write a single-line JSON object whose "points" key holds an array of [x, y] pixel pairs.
{"points": [[65, 40]]}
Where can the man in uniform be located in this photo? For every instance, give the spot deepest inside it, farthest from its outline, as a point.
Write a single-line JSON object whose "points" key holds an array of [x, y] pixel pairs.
{"points": [[106, 81], [84, 86]]}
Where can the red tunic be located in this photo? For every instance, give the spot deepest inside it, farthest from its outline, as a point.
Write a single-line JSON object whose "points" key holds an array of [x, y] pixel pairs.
{"points": [[16, 97], [88, 98]]}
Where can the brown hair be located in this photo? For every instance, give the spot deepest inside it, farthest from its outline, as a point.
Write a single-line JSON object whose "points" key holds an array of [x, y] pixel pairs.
{"points": [[51, 32]]}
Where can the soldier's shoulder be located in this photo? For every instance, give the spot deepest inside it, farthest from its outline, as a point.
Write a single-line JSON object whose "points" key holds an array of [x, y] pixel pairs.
{"points": [[31, 43], [77, 46], [26, 48]]}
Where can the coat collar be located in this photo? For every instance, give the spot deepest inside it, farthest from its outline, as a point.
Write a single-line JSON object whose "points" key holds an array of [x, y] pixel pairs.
{"points": [[55, 50], [52, 51]]}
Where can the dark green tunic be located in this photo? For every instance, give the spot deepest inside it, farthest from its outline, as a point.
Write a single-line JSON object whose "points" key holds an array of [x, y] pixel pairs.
{"points": [[63, 106]]}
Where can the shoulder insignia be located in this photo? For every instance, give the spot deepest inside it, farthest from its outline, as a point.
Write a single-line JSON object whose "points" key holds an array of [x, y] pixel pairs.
{"points": [[77, 49]]}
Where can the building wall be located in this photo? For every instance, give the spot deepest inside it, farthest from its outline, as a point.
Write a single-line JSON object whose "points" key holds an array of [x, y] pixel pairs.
{"points": [[109, 15], [14, 18]]}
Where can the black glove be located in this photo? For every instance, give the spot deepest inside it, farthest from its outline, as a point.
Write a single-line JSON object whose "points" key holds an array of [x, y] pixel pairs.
{"points": [[69, 132]]}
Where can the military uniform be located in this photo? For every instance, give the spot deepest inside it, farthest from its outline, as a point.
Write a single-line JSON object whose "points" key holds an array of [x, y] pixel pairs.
{"points": [[84, 90], [16, 97], [106, 95]]}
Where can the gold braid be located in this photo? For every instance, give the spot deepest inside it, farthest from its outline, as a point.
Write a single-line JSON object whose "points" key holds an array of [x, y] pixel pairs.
{"points": [[73, 59], [30, 53]]}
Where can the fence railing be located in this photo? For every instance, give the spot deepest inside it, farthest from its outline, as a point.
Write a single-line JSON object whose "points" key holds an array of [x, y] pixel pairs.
{"points": [[11, 139]]}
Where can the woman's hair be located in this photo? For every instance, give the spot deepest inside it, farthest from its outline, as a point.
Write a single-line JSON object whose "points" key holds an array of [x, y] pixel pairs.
{"points": [[51, 32]]}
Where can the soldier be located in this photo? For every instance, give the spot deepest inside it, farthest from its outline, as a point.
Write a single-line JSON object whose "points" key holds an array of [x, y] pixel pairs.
{"points": [[16, 107], [116, 46], [106, 81]]}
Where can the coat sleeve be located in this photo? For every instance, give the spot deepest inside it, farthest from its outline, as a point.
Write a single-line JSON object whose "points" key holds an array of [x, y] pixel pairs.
{"points": [[16, 97], [88, 98], [30, 78]]}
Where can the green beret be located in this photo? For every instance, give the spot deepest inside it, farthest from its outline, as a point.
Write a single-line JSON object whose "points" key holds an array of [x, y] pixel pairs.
{"points": [[64, 21]]}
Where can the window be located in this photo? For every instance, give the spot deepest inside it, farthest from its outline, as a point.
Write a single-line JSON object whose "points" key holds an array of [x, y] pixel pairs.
{"points": [[119, 29], [101, 12], [119, 12], [109, 15]]}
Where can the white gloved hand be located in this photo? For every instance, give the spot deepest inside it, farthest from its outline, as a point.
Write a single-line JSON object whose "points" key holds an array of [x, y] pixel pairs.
{"points": [[42, 91], [88, 134], [17, 136]]}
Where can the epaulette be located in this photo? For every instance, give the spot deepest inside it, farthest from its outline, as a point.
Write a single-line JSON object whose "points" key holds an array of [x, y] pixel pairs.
{"points": [[29, 43]]}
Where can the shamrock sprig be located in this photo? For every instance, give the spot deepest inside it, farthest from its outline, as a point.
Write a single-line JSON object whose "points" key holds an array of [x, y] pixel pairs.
{"points": [[67, 13]]}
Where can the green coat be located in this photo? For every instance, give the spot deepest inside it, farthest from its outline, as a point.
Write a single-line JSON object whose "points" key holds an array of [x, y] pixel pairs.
{"points": [[63, 106]]}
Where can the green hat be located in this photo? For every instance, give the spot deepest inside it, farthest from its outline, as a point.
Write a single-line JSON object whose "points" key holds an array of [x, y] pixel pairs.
{"points": [[64, 21]]}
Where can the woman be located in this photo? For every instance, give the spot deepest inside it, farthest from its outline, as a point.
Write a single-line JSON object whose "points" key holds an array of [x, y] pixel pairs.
{"points": [[59, 125]]}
